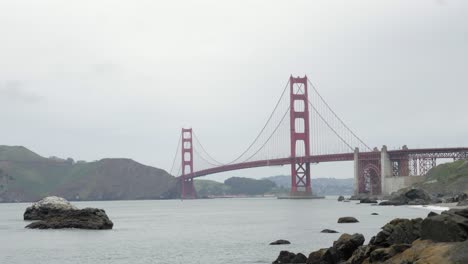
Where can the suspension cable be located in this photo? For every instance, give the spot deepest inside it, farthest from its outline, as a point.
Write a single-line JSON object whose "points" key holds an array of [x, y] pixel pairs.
{"points": [[333, 112], [204, 150], [175, 156], [268, 139], [261, 131]]}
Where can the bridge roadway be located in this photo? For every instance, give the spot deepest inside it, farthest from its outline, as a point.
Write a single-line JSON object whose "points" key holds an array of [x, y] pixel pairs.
{"points": [[374, 155]]}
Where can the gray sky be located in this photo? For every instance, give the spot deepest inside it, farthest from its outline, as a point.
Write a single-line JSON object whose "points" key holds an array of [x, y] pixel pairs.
{"points": [[95, 79]]}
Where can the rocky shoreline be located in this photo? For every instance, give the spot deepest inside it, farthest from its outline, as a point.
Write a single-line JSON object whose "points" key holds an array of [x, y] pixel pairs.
{"points": [[438, 238]]}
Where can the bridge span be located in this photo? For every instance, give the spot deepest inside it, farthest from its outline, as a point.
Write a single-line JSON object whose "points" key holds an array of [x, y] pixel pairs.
{"points": [[293, 135]]}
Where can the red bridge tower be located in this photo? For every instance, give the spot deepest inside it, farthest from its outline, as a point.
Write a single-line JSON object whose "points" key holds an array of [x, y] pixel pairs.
{"points": [[300, 144], [188, 190]]}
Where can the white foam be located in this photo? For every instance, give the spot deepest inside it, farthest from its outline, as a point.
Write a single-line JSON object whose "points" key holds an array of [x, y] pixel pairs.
{"points": [[431, 207]]}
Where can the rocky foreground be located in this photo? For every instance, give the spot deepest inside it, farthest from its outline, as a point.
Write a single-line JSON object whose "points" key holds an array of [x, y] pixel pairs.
{"points": [[56, 213], [435, 239]]}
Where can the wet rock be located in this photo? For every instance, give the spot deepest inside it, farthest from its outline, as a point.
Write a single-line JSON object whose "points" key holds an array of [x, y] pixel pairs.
{"points": [[368, 200], [286, 257], [341, 198], [381, 254], [398, 231], [449, 226], [347, 219], [412, 197], [463, 203], [374, 214], [455, 198], [280, 242], [343, 248], [47, 207], [316, 256], [88, 218], [328, 231], [432, 214], [299, 258], [360, 254]]}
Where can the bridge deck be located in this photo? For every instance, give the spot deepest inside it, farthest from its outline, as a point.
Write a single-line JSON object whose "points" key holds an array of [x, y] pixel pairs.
{"points": [[394, 154]]}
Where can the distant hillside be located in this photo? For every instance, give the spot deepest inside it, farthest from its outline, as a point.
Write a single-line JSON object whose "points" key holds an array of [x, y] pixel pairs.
{"points": [[320, 186], [447, 178], [234, 186], [26, 176]]}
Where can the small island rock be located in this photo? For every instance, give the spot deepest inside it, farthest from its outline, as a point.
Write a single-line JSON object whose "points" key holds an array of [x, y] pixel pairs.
{"points": [[341, 198], [329, 231], [48, 206], [347, 219], [280, 242]]}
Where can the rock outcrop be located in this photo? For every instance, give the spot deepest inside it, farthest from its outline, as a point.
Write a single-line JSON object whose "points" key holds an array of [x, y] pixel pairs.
{"points": [[286, 257], [329, 231], [280, 242], [436, 239], [87, 218], [46, 207], [368, 200], [412, 197], [347, 219], [55, 213]]}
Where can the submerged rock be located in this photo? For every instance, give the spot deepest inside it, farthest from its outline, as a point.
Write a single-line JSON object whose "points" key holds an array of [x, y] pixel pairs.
{"points": [[329, 231], [374, 214], [341, 198], [347, 219], [46, 207], [280, 242], [88, 218]]}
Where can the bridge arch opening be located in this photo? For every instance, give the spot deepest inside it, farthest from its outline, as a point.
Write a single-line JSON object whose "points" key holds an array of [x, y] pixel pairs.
{"points": [[372, 180], [299, 125]]}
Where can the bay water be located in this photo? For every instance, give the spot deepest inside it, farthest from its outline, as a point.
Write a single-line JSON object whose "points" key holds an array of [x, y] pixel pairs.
{"points": [[227, 231]]}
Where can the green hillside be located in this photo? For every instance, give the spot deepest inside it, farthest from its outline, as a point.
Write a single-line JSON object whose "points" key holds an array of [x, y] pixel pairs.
{"points": [[26, 176], [447, 178]]}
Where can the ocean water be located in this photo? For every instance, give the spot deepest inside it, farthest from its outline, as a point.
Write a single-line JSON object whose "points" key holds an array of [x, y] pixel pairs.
{"points": [[228, 231]]}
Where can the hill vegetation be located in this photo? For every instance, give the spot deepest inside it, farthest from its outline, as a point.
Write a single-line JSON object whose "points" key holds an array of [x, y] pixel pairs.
{"points": [[26, 176], [234, 186], [320, 186], [447, 178]]}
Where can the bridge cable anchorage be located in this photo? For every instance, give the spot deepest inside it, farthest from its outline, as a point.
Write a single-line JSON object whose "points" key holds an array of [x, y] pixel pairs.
{"points": [[175, 156], [339, 119], [327, 123], [206, 152], [268, 139]]}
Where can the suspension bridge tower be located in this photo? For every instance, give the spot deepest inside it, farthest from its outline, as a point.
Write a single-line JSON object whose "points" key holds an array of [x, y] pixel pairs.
{"points": [[188, 189], [300, 138]]}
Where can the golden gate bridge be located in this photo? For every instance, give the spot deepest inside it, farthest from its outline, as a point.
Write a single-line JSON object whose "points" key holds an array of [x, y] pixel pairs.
{"points": [[303, 129]]}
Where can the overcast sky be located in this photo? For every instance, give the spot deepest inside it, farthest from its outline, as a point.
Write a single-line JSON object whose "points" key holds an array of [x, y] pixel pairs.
{"points": [[96, 79]]}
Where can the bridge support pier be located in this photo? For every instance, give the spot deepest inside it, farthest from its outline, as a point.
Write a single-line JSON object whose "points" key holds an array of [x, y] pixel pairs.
{"points": [[188, 189]]}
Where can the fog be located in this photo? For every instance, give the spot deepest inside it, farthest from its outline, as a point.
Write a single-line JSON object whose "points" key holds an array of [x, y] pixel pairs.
{"points": [[96, 79]]}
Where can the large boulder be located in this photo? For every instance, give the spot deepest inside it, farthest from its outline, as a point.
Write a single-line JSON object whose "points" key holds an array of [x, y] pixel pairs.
{"points": [[341, 250], [46, 207], [449, 226], [398, 231], [347, 219], [88, 218]]}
